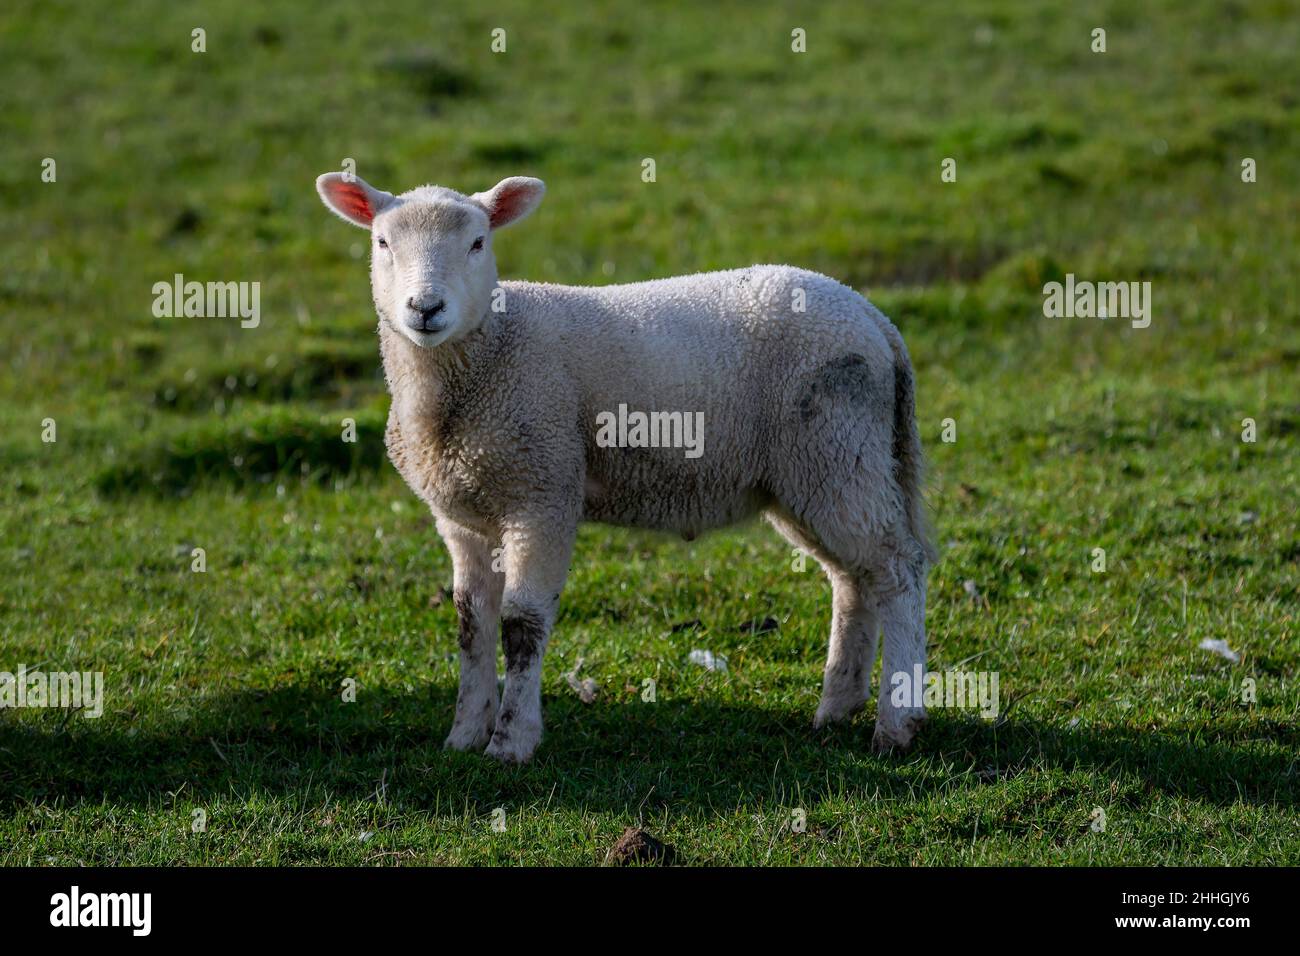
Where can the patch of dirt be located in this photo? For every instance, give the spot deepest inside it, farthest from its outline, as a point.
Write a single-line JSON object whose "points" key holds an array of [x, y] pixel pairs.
{"points": [[638, 846]]}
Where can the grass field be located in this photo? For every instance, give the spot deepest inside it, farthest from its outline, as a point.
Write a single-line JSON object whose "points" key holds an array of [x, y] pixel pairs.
{"points": [[223, 688]]}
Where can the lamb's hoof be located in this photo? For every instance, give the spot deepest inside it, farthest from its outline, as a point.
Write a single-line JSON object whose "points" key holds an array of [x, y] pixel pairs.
{"points": [[467, 737], [834, 710], [897, 735], [513, 748], [472, 728]]}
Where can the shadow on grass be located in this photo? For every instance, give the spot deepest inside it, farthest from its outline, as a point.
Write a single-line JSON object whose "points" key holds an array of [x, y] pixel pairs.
{"points": [[617, 756]]}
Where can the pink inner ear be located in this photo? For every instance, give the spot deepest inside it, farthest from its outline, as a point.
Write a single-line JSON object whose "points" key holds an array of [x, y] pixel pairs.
{"points": [[507, 205], [352, 200]]}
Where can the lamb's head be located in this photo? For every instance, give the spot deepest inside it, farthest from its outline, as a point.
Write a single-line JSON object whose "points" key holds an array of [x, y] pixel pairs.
{"points": [[432, 271]]}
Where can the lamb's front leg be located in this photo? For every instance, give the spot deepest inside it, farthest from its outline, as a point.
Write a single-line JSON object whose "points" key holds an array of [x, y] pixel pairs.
{"points": [[476, 590], [536, 562]]}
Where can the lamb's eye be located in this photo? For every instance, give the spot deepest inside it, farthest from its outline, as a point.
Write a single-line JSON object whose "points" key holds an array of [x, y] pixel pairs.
{"points": [[383, 243], [478, 245]]}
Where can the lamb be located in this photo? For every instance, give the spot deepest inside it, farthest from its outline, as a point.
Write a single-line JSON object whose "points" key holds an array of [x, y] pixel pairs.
{"points": [[806, 396]]}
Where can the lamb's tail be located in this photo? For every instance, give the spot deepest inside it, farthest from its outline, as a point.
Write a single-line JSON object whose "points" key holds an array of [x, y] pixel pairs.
{"points": [[909, 462]]}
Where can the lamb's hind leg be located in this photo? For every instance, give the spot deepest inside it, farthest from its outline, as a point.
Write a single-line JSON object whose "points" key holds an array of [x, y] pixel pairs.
{"points": [[838, 473], [879, 574], [855, 629], [900, 589], [877, 580], [476, 590]]}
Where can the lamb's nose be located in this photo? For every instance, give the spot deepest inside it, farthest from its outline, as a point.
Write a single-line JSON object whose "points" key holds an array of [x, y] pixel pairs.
{"points": [[426, 312]]}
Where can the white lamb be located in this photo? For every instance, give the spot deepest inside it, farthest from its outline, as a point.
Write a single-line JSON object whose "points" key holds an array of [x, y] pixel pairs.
{"points": [[498, 390]]}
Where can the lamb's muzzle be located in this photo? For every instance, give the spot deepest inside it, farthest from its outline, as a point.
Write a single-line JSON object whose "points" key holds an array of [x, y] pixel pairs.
{"points": [[423, 319], [804, 388]]}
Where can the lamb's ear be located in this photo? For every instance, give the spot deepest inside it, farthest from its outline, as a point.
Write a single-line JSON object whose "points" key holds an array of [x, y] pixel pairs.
{"points": [[352, 198], [511, 199]]}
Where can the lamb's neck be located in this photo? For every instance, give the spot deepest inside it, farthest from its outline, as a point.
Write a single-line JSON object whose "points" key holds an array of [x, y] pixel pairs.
{"points": [[420, 380]]}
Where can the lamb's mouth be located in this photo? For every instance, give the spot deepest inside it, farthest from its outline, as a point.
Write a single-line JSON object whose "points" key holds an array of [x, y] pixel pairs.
{"points": [[427, 338]]}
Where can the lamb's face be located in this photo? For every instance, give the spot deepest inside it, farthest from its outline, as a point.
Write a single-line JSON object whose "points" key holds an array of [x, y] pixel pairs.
{"points": [[432, 271]]}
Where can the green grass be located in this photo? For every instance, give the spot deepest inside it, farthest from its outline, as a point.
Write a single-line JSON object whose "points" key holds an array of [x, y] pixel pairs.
{"points": [[224, 688]]}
